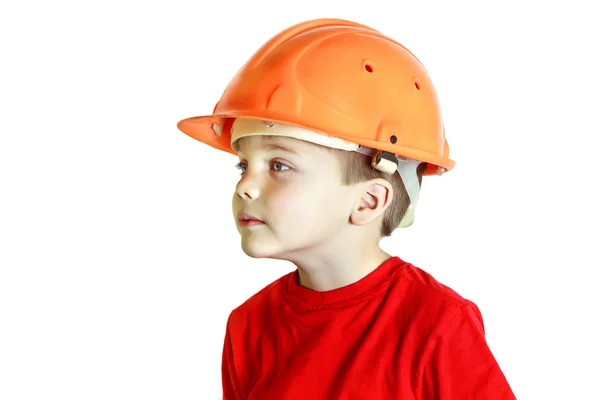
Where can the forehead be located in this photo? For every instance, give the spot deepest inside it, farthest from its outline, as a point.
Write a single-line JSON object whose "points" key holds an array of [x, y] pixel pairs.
{"points": [[264, 143]]}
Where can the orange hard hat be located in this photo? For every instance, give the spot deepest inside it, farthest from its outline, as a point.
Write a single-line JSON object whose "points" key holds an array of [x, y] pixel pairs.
{"points": [[339, 78]]}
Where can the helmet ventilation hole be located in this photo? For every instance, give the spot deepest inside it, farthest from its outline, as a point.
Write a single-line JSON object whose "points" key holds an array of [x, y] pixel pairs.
{"points": [[393, 139], [369, 68], [417, 85]]}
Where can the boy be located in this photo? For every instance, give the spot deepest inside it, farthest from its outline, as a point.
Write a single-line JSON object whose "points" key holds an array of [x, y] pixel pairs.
{"points": [[334, 125]]}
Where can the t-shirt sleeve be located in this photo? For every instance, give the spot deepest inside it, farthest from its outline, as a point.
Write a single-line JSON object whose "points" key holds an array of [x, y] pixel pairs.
{"points": [[460, 364], [230, 383]]}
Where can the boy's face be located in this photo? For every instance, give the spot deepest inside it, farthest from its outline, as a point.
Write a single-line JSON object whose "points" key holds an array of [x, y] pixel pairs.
{"points": [[295, 188]]}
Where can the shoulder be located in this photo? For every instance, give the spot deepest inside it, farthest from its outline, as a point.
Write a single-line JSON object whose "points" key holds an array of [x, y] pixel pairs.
{"points": [[454, 360], [435, 303], [426, 283]]}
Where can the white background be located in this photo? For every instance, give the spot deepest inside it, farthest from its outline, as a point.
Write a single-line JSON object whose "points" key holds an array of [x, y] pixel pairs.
{"points": [[119, 257]]}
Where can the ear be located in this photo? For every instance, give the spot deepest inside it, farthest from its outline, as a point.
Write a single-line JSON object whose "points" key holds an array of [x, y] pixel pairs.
{"points": [[375, 197]]}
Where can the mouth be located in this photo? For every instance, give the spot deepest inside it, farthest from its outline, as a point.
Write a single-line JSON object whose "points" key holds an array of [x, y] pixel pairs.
{"points": [[247, 220]]}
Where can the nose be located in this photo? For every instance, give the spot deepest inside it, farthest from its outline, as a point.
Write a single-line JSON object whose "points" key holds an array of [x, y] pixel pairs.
{"points": [[248, 187]]}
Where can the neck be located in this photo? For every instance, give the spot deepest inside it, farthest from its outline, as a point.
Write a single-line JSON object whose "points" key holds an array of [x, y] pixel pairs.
{"points": [[333, 267]]}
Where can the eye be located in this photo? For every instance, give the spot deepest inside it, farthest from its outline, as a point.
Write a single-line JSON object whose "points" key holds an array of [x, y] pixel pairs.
{"points": [[242, 167], [279, 166]]}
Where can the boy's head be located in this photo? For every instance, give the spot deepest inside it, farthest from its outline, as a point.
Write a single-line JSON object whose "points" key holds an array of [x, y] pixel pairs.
{"points": [[373, 110], [296, 197]]}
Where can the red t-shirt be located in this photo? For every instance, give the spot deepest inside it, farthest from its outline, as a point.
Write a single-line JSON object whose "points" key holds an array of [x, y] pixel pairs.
{"points": [[395, 334]]}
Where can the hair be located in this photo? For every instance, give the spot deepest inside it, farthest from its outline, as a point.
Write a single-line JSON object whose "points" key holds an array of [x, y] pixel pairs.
{"points": [[356, 168]]}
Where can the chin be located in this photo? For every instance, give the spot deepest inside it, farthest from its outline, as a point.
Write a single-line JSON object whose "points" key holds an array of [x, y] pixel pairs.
{"points": [[254, 249]]}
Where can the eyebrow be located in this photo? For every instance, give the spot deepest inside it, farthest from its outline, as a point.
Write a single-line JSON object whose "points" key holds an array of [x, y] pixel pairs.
{"points": [[275, 146], [271, 146]]}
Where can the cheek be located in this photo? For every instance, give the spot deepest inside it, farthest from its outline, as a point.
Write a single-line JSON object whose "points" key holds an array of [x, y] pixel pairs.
{"points": [[303, 204], [337, 205], [284, 202]]}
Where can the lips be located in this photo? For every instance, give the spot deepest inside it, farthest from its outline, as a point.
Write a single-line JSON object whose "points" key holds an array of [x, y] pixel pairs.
{"points": [[248, 220]]}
